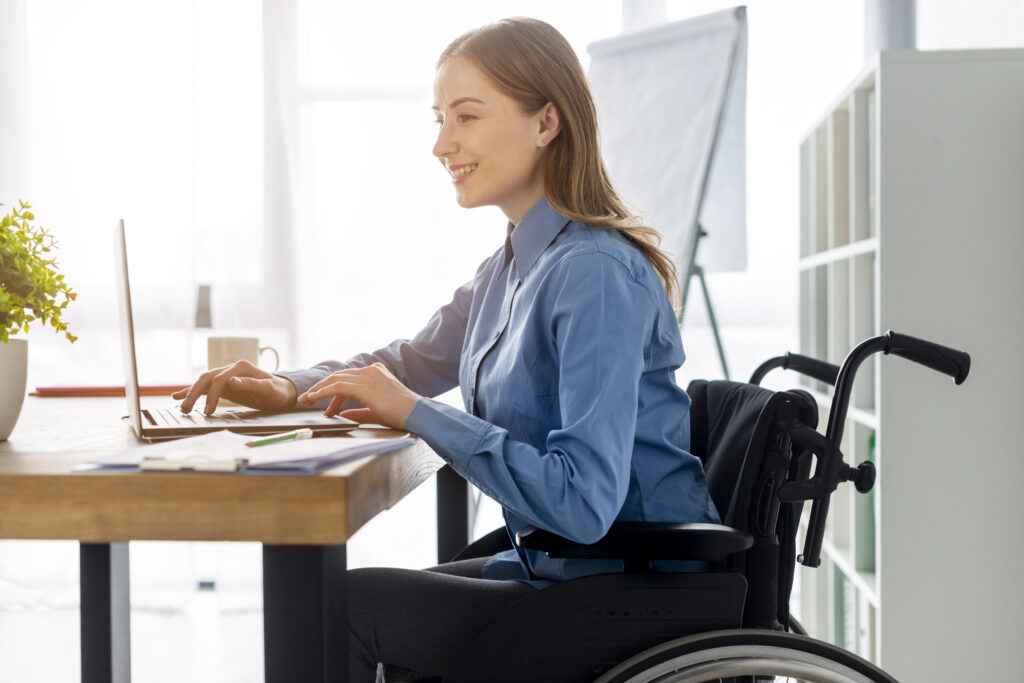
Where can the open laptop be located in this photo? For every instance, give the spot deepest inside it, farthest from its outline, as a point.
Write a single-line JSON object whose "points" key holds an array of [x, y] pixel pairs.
{"points": [[172, 423]]}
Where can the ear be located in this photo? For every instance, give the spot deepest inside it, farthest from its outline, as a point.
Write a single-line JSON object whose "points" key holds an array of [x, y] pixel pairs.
{"points": [[549, 124]]}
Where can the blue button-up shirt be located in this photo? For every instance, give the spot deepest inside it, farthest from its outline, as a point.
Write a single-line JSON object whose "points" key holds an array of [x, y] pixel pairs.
{"points": [[565, 347]]}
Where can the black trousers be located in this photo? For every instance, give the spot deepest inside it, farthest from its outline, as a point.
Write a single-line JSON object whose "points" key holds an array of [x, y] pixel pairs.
{"points": [[416, 623]]}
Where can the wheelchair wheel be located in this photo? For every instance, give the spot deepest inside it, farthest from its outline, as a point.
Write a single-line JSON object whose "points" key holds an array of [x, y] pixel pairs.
{"points": [[760, 655]]}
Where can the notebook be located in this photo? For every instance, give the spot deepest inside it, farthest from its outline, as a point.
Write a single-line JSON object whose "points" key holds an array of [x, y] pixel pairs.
{"points": [[172, 423]]}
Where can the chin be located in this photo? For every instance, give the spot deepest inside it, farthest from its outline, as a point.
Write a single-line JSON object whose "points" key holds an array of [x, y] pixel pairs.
{"points": [[466, 201]]}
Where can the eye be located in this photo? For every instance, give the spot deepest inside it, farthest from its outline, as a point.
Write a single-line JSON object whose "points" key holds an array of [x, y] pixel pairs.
{"points": [[466, 118], [439, 121]]}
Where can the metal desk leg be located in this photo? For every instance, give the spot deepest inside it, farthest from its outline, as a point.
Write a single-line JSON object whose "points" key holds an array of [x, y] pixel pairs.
{"points": [[305, 613], [105, 613], [452, 514]]}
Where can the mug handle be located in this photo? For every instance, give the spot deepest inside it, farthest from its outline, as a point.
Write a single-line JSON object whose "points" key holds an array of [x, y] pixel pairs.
{"points": [[277, 358]]}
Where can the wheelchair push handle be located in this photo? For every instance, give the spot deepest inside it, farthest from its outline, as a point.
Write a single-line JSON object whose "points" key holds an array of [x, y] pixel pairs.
{"points": [[805, 365], [833, 470], [941, 358]]}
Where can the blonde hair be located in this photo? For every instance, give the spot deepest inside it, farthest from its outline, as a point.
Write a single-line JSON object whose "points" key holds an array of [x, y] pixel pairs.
{"points": [[531, 62]]}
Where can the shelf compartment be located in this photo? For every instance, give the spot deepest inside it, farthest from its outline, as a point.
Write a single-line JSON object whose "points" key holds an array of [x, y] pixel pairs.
{"points": [[864, 324], [819, 321], [805, 199], [866, 582], [839, 253], [844, 599], [867, 628], [837, 190], [839, 522], [860, 166], [865, 512], [838, 311], [818, 195]]}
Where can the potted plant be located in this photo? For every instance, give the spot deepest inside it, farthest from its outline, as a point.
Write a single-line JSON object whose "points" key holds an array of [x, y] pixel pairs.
{"points": [[31, 291]]}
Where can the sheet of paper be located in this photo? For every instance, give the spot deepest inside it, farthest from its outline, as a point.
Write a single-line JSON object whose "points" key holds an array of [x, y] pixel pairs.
{"points": [[304, 455]]}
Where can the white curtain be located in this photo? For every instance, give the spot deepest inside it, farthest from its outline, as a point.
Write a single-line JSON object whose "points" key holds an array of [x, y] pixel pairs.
{"points": [[151, 112]]}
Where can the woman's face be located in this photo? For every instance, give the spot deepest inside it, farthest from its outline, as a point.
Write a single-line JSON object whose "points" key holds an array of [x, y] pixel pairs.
{"points": [[491, 150]]}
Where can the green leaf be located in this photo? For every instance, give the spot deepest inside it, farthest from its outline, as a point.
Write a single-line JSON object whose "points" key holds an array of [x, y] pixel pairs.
{"points": [[31, 289]]}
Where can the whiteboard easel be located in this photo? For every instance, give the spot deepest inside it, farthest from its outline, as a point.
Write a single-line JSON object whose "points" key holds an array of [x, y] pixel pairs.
{"points": [[671, 103]]}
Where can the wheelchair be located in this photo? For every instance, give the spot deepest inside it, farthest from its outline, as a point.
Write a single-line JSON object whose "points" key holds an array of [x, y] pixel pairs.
{"points": [[729, 621]]}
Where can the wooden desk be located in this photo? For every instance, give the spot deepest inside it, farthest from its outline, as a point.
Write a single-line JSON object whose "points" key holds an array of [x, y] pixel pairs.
{"points": [[303, 523]]}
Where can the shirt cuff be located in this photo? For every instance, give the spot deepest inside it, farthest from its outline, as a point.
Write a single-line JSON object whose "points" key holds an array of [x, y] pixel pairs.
{"points": [[304, 381], [453, 434]]}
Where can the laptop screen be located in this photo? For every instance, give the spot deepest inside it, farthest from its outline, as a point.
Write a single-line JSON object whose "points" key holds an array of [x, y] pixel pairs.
{"points": [[124, 305]]}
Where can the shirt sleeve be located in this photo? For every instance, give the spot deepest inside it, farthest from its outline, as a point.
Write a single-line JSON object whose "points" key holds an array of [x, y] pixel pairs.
{"points": [[428, 363], [601, 320]]}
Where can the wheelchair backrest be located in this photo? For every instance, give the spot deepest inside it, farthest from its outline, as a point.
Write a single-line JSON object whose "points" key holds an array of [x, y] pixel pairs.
{"points": [[722, 419], [740, 432]]}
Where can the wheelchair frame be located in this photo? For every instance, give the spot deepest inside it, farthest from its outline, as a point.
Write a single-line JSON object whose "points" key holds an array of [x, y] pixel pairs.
{"points": [[731, 621]]}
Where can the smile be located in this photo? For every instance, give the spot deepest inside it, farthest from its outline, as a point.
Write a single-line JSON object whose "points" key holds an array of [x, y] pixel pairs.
{"points": [[462, 170]]}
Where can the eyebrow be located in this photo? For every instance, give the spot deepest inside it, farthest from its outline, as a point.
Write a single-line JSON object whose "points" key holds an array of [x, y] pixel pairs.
{"points": [[461, 100]]}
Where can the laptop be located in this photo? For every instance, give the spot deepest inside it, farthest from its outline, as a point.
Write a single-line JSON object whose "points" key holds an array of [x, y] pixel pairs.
{"points": [[172, 423]]}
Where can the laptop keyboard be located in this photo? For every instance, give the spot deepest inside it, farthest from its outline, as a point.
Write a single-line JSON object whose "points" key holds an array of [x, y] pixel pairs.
{"points": [[196, 417]]}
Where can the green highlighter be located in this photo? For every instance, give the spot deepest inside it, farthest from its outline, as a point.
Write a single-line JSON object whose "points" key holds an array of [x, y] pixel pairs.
{"points": [[286, 436]]}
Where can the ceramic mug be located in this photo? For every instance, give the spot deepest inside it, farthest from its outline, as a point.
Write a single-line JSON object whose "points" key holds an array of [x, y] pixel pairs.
{"points": [[221, 351]]}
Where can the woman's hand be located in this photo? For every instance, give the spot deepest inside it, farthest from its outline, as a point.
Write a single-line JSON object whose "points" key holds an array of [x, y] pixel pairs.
{"points": [[388, 402], [241, 382]]}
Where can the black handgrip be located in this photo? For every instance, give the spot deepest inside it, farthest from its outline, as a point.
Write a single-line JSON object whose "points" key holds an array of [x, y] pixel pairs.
{"points": [[941, 358], [805, 365], [812, 367]]}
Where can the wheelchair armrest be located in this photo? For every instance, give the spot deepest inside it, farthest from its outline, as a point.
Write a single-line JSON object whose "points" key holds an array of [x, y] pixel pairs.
{"points": [[645, 541]]}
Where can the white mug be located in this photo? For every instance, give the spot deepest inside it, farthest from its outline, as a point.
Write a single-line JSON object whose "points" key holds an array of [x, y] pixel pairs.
{"points": [[221, 351]]}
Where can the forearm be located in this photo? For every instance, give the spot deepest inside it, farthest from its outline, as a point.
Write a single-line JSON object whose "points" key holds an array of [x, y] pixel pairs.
{"points": [[575, 494]]}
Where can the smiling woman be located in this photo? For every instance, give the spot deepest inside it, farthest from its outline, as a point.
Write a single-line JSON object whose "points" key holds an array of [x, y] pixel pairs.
{"points": [[527, 95], [564, 346], [491, 148]]}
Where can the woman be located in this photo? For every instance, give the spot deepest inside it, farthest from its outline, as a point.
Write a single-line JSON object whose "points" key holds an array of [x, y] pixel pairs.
{"points": [[564, 344]]}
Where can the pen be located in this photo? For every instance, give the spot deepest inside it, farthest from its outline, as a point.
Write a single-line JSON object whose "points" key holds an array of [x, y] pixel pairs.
{"points": [[287, 436]]}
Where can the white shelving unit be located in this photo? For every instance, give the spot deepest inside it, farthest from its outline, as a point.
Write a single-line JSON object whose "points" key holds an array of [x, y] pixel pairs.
{"points": [[912, 219]]}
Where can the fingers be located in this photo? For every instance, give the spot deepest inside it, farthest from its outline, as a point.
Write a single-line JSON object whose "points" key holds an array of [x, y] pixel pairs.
{"points": [[338, 391], [353, 378], [219, 383], [193, 393], [328, 386], [255, 387], [314, 393], [335, 407], [213, 384]]}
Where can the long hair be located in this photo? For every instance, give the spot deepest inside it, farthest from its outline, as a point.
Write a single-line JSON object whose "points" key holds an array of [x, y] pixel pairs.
{"points": [[531, 62]]}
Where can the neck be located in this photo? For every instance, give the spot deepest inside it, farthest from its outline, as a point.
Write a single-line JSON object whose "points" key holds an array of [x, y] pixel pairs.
{"points": [[515, 211]]}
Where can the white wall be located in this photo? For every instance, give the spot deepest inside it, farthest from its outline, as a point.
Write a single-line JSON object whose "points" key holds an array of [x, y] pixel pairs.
{"points": [[956, 24]]}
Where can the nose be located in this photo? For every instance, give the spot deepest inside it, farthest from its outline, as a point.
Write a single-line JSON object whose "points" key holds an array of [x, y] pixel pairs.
{"points": [[445, 145]]}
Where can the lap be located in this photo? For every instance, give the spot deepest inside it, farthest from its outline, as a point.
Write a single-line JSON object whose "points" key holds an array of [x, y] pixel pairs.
{"points": [[471, 569], [421, 620]]}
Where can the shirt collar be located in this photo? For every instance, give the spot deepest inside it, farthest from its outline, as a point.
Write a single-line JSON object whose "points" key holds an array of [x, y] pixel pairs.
{"points": [[536, 230]]}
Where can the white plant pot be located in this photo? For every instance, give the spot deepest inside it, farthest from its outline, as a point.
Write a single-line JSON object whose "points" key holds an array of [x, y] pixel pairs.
{"points": [[13, 373]]}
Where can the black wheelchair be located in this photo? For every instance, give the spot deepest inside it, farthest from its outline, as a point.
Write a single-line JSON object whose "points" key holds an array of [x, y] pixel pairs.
{"points": [[730, 621]]}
